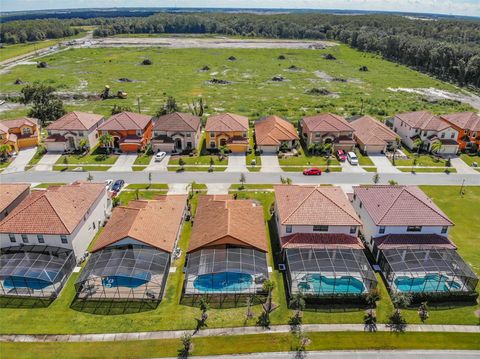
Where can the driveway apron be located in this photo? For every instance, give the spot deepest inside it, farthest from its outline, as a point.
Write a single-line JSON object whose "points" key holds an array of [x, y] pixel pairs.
{"points": [[22, 159]]}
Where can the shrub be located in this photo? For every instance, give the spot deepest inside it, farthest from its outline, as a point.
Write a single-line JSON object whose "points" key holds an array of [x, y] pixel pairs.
{"points": [[146, 62]]}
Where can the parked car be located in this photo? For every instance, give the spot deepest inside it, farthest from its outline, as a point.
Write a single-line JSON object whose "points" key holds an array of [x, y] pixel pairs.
{"points": [[312, 172], [352, 158], [159, 156], [108, 184], [342, 157], [117, 186]]}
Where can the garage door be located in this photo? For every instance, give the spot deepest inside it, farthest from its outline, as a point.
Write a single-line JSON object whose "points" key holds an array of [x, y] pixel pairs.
{"points": [[375, 149], [268, 149], [55, 146]]}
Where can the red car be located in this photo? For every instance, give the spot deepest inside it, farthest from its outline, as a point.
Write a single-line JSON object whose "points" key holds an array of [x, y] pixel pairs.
{"points": [[342, 157], [312, 172]]}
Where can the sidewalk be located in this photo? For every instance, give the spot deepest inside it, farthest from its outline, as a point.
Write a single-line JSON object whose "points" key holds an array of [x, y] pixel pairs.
{"points": [[175, 334]]}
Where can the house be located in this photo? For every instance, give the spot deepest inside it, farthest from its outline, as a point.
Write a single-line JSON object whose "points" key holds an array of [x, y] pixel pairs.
{"points": [[408, 236], [131, 131], [227, 130], [227, 250], [46, 234], [66, 133], [176, 131], [131, 258], [328, 128], [11, 194], [20, 133], [467, 124], [422, 125], [273, 133], [318, 233], [372, 136]]}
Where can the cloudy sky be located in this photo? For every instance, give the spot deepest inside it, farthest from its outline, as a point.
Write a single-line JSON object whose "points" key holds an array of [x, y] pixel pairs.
{"points": [[457, 7]]}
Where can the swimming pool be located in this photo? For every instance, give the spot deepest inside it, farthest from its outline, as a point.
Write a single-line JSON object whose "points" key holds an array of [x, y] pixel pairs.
{"points": [[317, 283], [123, 281], [223, 282], [22, 282], [429, 283]]}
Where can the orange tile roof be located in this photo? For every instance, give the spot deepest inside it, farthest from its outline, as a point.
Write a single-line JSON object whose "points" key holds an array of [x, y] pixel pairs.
{"points": [[16, 123], [272, 130], [464, 120], [369, 131], [177, 121], [423, 120], [155, 223], [321, 240], [56, 210], [226, 122], [9, 192], [124, 121], [413, 241], [75, 121], [229, 220], [326, 122], [314, 205]]}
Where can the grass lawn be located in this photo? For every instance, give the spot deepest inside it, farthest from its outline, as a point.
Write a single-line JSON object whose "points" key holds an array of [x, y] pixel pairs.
{"points": [[198, 160], [36, 157], [243, 345], [469, 159], [370, 169], [84, 168], [5, 164], [251, 186], [363, 160], [46, 185], [89, 159], [306, 160], [148, 186], [196, 169], [143, 160], [127, 196], [432, 170], [252, 156], [422, 159]]}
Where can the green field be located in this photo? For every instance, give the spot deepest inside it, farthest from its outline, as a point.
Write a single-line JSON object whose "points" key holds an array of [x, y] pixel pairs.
{"points": [[251, 92]]}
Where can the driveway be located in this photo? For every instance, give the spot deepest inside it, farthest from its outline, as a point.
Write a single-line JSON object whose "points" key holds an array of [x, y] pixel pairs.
{"points": [[347, 167], [22, 159], [218, 188], [270, 163], [47, 161], [124, 163], [383, 164], [178, 188], [461, 166], [158, 166], [237, 163]]}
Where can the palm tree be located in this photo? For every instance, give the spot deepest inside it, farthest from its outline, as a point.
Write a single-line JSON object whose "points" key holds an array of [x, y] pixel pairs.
{"points": [[5, 150], [269, 286], [435, 147], [106, 140], [418, 143], [297, 302], [83, 143]]}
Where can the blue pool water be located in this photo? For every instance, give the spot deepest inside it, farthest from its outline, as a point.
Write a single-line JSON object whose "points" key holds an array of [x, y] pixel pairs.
{"points": [[223, 282], [129, 282], [22, 282], [317, 283], [429, 283]]}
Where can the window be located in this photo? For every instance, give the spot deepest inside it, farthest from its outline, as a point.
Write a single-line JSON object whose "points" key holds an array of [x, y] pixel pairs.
{"points": [[26, 130], [353, 229], [212, 134], [212, 144], [244, 134], [24, 238], [40, 238], [442, 135], [189, 134], [444, 229], [317, 134], [360, 205], [139, 133], [96, 134], [381, 230], [354, 196], [414, 228], [288, 229], [12, 238], [452, 135], [63, 239], [93, 225], [320, 228]]}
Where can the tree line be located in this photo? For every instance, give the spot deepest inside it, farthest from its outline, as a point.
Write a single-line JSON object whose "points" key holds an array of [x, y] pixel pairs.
{"points": [[15, 32]]}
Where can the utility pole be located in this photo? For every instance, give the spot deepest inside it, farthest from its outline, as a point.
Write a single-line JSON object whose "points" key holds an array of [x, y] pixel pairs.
{"points": [[461, 188], [138, 104]]}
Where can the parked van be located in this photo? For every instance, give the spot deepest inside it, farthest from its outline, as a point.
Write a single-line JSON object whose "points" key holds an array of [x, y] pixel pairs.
{"points": [[352, 158]]}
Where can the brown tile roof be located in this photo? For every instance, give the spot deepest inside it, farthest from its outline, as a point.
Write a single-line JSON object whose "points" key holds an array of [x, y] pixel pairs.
{"points": [[413, 241], [321, 240], [400, 206], [314, 205], [75, 121], [155, 223], [369, 131], [226, 122], [272, 130], [221, 220], [9, 192], [464, 120], [56, 210], [55, 138], [19, 122], [423, 120], [326, 122], [177, 121], [126, 121]]}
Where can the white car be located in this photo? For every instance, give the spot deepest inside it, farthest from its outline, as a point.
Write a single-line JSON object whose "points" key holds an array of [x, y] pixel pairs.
{"points": [[352, 158], [159, 156], [108, 184]]}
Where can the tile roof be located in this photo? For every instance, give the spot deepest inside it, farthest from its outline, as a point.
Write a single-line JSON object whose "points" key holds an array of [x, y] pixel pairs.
{"points": [[226, 122], [272, 130], [423, 120], [75, 121], [177, 121], [314, 205], [400, 206], [464, 120], [9, 192], [321, 240], [413, 241], [369, 131], [155, 223], [16, 123], [326, 122], [126, 121], [222, 220], [56, 210]]}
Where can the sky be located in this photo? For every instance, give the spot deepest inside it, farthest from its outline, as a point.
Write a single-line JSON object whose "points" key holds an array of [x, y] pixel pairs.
{"points": [[451, 7]]}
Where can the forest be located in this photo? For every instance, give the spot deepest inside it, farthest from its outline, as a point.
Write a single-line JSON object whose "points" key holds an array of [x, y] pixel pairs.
{"points": [[15, 32]]}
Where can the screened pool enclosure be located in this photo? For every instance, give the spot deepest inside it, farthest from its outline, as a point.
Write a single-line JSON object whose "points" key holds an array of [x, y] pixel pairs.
{"points": [[225, 271], [127, 273], [317, 272], [35, 271], [426, 270]]}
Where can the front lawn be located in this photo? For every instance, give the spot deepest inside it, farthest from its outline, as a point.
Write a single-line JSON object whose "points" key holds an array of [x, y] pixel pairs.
{"points": [[148, 186], [469, 159], [363, 160], [84, 168], [143, 160], [36, 157], [199, 160], [88, 159], [423, 159], [252, 156]]}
